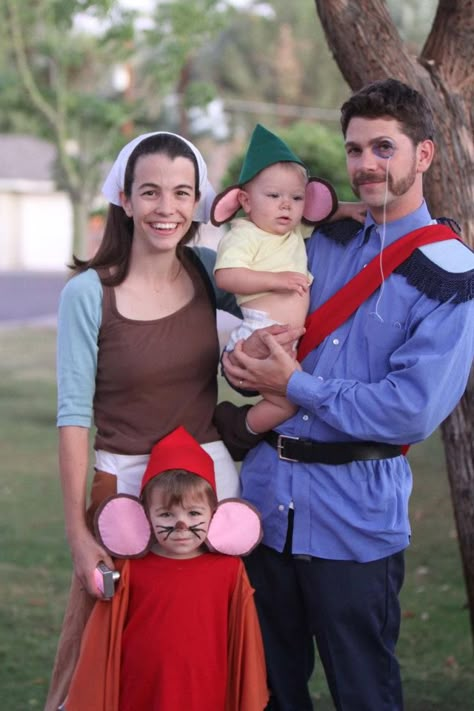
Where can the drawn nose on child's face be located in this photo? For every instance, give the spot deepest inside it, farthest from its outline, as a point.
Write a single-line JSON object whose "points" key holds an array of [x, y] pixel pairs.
{"points": [[181, 526]]}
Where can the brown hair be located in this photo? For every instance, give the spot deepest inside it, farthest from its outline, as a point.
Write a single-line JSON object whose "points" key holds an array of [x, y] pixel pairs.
{"points": [[392, 99], [115, 248], [178, 484]]}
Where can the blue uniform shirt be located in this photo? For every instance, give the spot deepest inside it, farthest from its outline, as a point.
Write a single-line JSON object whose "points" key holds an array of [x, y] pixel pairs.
{"points": [[391, 373]]}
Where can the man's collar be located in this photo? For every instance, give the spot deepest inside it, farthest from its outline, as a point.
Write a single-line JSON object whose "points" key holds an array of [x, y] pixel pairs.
{"points": [[396, 229]]}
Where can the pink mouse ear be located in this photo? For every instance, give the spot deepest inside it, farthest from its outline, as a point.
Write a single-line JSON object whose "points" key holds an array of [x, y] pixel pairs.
{"points": [[320, 200], [235, 528], [225, 206], [122, 527]]}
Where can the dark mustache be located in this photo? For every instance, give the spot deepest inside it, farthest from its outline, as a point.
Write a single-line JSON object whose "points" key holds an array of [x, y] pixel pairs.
{"points": [[368, 177]]}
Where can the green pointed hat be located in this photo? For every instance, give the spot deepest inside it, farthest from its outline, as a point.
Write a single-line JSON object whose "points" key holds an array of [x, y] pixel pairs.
{"points": [[265, 149]]}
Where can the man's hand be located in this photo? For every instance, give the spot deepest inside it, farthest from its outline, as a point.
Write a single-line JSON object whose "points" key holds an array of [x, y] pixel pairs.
{"points": [[256, 346], [270, 373]]}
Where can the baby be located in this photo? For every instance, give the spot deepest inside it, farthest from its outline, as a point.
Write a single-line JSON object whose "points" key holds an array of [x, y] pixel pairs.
{"points": [[262, 259]]}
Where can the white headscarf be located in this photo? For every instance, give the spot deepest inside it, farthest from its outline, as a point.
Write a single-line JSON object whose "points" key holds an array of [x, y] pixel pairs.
{"points": [[114, 183]]}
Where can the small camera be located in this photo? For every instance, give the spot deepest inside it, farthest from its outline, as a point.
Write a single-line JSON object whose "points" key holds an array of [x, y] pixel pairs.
{"points": [[105, 579]]}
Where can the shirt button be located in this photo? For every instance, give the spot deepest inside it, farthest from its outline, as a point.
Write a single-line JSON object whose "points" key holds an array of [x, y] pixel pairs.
{"points": [[335, 341], [305, 418], [281, 507]]}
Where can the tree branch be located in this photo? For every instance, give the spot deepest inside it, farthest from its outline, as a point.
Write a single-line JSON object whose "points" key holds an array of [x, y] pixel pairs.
{"points": [[370, 47], [26, 75], [450, 46], [55, 118]]}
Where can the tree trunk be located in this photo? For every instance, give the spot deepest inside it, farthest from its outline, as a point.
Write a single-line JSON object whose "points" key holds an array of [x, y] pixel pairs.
{"points": [[367, 47], [80, 207], [183, 84], [458, 437]]}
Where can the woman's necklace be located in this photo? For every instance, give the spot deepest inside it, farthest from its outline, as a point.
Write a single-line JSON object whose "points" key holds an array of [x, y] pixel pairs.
{"points": [[161, 285]]}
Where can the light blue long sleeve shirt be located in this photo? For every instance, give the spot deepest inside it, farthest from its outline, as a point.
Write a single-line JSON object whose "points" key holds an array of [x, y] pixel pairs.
{"points": [[391, 373]]}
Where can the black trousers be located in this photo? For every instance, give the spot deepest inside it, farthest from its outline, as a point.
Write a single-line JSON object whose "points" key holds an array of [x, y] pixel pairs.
{"points": [[350, 609]]}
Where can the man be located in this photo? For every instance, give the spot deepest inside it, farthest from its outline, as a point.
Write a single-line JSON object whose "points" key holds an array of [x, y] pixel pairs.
{"points": [[335, 518]]}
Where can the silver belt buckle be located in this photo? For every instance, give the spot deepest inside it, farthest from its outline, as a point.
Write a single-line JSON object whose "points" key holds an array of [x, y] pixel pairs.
{"points": [[280, 445]]}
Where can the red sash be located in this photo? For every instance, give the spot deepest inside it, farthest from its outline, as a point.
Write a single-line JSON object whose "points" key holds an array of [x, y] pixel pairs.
{"points": [[330, 315]]}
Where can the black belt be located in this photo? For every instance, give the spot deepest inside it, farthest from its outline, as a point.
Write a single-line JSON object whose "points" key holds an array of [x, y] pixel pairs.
{"points": [[298, 449]]}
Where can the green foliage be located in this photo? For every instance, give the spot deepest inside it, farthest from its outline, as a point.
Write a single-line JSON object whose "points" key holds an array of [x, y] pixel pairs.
{"points": [[57, 79], [319, 147], [58, 85], [180, 29], [279, 57], [322, 150], [60, 80], [199, 93]]}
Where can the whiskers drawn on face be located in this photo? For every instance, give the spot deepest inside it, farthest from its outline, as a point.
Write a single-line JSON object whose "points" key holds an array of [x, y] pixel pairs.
{"points": [[196, 529]]}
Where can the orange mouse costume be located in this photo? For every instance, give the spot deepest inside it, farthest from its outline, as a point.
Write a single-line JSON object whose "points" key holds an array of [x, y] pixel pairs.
{"points": [[177, 633]]}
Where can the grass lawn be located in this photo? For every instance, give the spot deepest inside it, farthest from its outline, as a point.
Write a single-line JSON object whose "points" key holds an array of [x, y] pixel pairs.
{"points": [[435, 648]]}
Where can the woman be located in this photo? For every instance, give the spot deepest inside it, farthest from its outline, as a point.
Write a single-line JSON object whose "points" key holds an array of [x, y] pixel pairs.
{"points": [[137, 352]]}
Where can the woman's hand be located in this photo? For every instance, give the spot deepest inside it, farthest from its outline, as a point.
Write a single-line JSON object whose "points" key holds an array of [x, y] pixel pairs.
{"points": [[86, 554], [73, 466]]}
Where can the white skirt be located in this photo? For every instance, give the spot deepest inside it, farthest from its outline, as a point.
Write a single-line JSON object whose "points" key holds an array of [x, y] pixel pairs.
{"points": [[129, 470]]}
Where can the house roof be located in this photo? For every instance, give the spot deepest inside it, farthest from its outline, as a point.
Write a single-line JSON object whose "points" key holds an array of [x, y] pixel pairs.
{"points": [[26, 157]]}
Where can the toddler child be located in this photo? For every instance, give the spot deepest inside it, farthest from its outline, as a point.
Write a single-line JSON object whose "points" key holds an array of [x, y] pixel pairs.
{"points": [[181, 630]]}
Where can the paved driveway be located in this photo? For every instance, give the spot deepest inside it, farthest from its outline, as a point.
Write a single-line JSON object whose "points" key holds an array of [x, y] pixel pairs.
{"points": [[29, 296]]}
